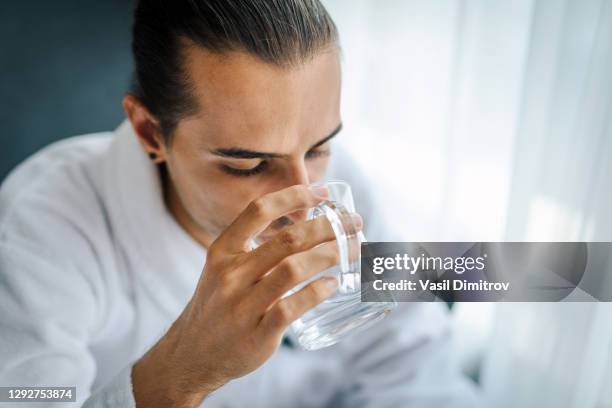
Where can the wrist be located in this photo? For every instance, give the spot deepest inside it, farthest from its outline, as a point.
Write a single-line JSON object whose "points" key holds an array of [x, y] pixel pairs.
{"points": [[161, 377], [153, 387]]}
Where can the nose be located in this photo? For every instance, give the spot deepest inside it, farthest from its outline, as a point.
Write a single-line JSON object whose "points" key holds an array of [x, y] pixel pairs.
{"points": [[297, 174]]}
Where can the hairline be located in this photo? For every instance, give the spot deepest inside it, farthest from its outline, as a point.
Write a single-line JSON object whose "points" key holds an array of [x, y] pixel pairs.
{"points": [[185, 43]]}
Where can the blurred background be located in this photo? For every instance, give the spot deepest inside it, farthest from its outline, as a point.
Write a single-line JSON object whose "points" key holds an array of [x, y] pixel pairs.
{"points": [[479, 120], [64, 67]]}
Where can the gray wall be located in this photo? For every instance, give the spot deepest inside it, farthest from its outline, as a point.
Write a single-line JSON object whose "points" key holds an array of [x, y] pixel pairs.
{"points": [[64, 67]]}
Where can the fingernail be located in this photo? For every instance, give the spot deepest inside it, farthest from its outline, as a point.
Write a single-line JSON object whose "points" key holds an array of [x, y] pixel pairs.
{"points": [[357, 220], [330, 281], [319, 191]]}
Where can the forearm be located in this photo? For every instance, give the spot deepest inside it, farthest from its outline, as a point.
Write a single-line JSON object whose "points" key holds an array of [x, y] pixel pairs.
{"points": [[152, 388], [161, 377]]}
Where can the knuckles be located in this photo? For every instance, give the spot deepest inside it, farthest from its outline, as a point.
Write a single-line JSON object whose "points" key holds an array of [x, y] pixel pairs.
{"points": [[302, 194], [258, 208], [283, 315], [290, 270], [290, 239], [333, 257], [317, 292]]}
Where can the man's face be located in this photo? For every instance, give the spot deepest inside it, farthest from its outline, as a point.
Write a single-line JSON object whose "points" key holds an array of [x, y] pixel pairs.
{"points": [[260, 128]]}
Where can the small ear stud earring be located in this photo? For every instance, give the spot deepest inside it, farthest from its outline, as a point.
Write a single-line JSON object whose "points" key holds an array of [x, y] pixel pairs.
{"points": [[153, 156]]}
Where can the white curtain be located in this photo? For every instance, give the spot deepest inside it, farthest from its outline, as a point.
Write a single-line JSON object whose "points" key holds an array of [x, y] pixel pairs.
{"points": [[490, 120]]}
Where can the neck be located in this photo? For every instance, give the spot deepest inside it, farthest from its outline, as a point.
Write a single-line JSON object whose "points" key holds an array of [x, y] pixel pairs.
{"points": [[177, 209]]}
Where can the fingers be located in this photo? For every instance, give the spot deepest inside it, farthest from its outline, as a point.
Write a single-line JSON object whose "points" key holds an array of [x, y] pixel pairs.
{"points": [[292, 271], [288, 309], [262, 211], [292, 240]]}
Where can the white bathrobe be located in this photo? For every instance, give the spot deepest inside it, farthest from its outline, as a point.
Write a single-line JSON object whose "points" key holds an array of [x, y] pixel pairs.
{"points": [[93, 270]]}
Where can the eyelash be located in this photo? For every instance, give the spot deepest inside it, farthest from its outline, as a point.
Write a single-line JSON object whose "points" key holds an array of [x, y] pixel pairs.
{"points": [[264, 165], [317, 153], [245, 173]]}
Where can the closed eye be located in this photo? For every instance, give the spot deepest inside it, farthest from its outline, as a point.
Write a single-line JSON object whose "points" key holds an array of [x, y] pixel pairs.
{"points": [[262, 166], [245, 172], [317, 153]]}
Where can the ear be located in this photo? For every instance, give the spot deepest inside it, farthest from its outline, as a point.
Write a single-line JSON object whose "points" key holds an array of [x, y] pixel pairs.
{"points": [[146, 127]]}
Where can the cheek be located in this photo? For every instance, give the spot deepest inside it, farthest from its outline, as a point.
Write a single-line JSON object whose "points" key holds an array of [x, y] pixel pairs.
{"points": [[214, 199], [316, 169], [210, 197]]}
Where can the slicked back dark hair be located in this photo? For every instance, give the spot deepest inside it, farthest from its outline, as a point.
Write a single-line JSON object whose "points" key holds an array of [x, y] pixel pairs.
{"points": [[280, 32]]}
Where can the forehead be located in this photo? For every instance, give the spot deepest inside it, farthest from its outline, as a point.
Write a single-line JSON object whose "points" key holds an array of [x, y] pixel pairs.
{"points": [[247, 102]]}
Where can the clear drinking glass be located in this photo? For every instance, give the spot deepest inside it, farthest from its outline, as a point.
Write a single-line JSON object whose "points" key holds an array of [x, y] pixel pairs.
{"points": [[343, 313]]}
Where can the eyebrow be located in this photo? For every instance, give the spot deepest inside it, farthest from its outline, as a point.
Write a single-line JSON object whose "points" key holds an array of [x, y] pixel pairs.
{"points": [[239, 153]]}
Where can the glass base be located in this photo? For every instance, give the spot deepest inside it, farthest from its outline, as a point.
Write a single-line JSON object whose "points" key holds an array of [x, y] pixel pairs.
{"points": [[336, 318]]}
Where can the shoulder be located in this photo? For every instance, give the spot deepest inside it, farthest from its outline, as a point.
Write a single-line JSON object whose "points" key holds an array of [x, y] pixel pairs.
{"points": [[49, 202], [52, 233], [50, 164]]}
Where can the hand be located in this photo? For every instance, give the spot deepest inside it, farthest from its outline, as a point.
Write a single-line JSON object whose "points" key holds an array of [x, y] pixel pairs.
{"points": [[237, 315]]}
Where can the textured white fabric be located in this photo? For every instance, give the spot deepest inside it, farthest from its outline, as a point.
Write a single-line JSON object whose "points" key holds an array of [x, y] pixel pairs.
{"points": [[93, 270]]}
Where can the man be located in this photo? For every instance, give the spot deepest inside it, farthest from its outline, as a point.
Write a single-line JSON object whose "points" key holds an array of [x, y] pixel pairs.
{"points": [[125, 261]]}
